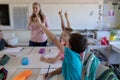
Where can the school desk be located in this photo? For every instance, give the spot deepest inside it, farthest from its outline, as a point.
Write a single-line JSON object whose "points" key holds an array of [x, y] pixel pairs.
{"points": [[116, 47], [38, 67], [115, 52], [14, 65]]}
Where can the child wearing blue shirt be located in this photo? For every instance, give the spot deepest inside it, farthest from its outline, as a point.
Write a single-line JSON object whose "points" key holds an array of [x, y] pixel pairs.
{"points": [[72, 65]]}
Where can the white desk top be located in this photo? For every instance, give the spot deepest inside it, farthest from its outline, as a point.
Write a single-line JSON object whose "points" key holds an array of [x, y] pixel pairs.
{"points": [[34, 57], [14, 64], [116, 47], [10, 72], [27, 50], [34, 76]]}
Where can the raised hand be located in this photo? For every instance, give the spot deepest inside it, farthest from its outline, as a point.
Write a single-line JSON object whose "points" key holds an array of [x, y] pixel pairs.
{"points": [[66, 15], [60, 12], [42, 58], [38, 19]]}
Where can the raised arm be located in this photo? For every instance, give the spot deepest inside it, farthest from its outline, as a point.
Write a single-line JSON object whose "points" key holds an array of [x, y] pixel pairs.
{"points": [[61, 19], [52, 37], [67, 20]]}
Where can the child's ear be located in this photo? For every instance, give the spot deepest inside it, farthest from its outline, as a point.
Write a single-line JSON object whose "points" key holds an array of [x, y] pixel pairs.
{"points": [[68, 45]]}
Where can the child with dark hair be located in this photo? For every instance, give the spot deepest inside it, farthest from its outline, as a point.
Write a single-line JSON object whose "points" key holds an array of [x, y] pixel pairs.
{"points": [[3, 43], [75, 45], [72, 66]]}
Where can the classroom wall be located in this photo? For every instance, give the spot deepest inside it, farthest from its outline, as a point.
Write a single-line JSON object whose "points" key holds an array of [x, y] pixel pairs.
{"points": [[83, 14], [48, 1], [112, 21], [26, 33]]}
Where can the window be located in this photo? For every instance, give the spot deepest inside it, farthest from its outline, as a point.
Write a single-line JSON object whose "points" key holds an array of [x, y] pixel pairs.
{"points": [[4, 15], [19, 16]]}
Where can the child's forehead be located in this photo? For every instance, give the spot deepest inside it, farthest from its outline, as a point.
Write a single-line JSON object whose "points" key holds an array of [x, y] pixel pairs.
{"points": [[64, 33]]}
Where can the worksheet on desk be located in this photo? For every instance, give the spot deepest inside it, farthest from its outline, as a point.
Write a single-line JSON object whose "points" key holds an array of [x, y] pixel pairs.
{"points": [[52, 78], [13, 50], [43, 71]]}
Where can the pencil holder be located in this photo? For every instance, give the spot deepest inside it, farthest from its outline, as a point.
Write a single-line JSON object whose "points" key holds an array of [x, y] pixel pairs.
{"points": [[25, 61], [4, 60]]}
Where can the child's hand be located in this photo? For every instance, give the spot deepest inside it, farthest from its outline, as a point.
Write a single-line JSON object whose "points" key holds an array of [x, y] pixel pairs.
{"points": [[46, 76], [42, 58], [66, 15], [60, 12], [39, 20]]}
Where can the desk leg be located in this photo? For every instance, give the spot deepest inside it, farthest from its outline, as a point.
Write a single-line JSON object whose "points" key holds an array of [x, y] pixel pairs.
{"points": [[109, 53]]}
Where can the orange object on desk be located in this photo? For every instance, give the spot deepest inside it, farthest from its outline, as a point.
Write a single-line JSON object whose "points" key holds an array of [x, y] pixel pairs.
{"points": [[23, 75]]}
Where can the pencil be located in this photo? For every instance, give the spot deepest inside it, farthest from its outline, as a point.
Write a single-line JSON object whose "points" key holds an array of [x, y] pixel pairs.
{"points": [[47, 71]]}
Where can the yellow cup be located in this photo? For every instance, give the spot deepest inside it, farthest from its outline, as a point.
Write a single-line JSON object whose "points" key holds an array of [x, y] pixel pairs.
{"points": [[112, 38]]}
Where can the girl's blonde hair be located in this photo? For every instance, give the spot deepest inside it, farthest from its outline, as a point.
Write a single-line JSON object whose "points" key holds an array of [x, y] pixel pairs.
{"points": [[41, 15]]}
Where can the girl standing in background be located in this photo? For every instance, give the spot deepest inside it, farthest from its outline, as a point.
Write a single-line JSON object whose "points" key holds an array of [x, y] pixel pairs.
{"points": [[38, 37]]}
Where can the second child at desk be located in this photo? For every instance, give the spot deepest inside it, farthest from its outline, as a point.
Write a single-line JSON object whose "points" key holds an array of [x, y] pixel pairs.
{"points": [[63, 39], [72, 64], [3, 42]]}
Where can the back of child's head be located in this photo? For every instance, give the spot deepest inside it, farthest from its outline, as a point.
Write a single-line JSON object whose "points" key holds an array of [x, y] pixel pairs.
{"points": [[78, 42]]}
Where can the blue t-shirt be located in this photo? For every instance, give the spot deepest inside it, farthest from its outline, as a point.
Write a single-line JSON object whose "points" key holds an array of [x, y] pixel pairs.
{"points": [[72, 65]]}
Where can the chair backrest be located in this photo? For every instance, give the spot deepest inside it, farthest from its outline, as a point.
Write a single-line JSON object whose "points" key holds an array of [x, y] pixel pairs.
{"points": [[91, 65]]}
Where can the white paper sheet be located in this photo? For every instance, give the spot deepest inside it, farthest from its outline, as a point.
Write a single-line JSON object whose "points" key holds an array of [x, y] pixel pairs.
{"points": [[43, 71], [13, 50], [40, 77]]}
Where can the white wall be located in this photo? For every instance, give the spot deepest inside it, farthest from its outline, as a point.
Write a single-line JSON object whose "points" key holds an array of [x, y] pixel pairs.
{"points": [[111, 21], [24, 35], [81, 16], [47, 1]]}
